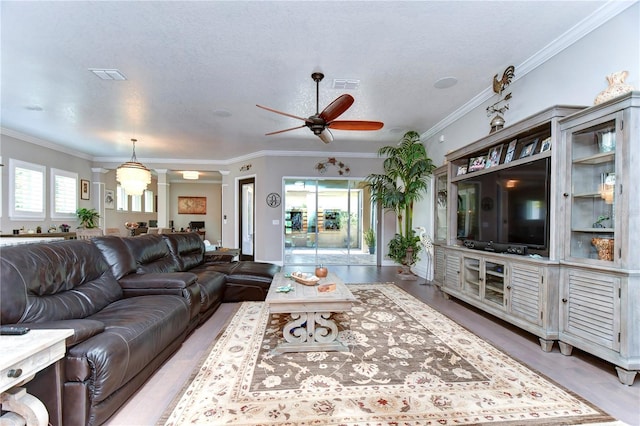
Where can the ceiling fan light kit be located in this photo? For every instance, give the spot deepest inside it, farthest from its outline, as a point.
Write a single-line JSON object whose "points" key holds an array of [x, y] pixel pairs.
{"points": [[321, 122]]}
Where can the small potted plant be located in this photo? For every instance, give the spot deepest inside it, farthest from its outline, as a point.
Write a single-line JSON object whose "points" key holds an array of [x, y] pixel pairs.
{"points": [[370, 240], [88, 217], [64, 227]]}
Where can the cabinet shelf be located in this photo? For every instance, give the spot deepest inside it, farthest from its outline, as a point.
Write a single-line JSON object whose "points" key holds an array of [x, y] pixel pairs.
{"points": [[594, 230], [595, 195], [600, 158]]}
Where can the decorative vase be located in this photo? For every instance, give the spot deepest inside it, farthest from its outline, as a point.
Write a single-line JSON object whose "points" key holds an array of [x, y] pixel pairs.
{"points": [[604, 247], [321, 271], [617, 87]]}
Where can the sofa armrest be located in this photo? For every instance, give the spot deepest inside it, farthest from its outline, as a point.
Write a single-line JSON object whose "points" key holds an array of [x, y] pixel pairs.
{"points": [[175, 283], [83, 329], [156, 283]]}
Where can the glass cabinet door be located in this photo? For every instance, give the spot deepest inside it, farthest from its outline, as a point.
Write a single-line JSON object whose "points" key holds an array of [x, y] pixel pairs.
{"points": [[494, 282], [440, 203], [471, 276], [593, 191]]}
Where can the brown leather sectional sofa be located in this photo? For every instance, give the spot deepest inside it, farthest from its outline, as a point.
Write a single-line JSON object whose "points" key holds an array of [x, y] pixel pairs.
{"points": [[131, 302]]}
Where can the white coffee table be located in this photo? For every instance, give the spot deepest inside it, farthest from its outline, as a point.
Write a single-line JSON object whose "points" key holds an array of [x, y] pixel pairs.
{"points": [[21, 357], [310, 327]]}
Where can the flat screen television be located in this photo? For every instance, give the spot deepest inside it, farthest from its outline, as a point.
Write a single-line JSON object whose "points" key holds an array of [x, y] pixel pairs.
{"points": [[508, 206]]}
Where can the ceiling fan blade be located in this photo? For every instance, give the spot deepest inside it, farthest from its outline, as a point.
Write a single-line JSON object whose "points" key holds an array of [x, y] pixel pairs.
{"points": [[356, 125], [280, 112], [337, 107], [285, 130], [326, 136]]}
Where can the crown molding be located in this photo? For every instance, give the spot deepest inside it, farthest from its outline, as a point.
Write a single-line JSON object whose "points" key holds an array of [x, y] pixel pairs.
{"points": [[43, 143], [598, 18]]}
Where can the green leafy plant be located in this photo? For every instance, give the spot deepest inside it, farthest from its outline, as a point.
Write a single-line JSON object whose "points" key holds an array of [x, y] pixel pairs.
{"points": [[405, 180], [370, 237], [404, 249], [88, 217]]}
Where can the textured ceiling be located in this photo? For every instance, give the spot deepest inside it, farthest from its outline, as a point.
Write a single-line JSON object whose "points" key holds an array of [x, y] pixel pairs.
{"points": [[196, 70]]}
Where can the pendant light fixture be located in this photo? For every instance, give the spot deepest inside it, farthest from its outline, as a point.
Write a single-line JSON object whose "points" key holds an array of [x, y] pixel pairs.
{"points": [[132, 175]]}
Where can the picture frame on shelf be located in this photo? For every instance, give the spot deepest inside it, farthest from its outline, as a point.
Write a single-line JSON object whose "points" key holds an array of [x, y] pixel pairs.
{"points": [[529, 149], [511, 151], [495, 154], [109, 199], [477, 163], [462, 170], [546, 144], [85, 191]]}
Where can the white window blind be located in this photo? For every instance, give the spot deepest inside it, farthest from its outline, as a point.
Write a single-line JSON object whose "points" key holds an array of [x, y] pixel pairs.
{"points": [[122, 200], [64, 193], [136, 203], [27, 190], [148, 201]]}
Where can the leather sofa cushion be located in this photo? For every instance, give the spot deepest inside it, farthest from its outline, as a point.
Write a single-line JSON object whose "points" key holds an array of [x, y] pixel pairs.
{"points": [[136, 330], [117, 254], [212, 286], [83, 329], [55, 281], [151, 254], [253, 272], [187, 249]]}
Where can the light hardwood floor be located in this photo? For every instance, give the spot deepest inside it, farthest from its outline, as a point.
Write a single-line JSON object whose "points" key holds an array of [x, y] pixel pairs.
{"points": [[585, 375]]}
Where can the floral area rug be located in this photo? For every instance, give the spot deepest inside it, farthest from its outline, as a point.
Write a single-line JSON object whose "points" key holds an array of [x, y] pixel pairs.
{"points": [[407, 365]]}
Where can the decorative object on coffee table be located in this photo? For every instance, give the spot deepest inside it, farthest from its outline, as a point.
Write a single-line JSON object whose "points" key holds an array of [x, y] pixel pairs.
{"points": [[321, 271]]}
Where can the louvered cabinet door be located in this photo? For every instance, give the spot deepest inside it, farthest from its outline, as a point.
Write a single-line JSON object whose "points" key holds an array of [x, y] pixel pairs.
{"points": [[526, 292], [439, 264], [452, 272], [590, 308]]}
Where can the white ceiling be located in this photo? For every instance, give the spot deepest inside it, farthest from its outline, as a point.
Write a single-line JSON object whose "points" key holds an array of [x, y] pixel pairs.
{"points": [[196, 70]]}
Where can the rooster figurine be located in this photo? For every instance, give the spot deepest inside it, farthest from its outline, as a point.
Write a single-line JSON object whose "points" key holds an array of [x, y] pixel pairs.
{"points": [[507, 76]]}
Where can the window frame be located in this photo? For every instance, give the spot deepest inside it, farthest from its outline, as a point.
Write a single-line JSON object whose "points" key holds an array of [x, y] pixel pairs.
{"points": [[52, 207], [23, 215]]}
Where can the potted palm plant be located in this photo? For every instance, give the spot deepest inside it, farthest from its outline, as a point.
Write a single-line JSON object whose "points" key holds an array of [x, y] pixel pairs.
{"points": [[405, 180], [370, 240], [88, 217]]}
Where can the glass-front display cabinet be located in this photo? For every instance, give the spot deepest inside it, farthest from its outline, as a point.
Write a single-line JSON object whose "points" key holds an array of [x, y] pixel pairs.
{"points": [[593, 189], [440, 203]]}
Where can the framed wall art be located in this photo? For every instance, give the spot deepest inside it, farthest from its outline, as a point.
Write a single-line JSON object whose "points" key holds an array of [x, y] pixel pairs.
{"points": [[84, 189], [109, 199], [192, 205]]}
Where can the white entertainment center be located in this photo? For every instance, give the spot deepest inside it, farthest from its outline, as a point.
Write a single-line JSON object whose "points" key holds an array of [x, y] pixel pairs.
{"points": [[535, 224]]}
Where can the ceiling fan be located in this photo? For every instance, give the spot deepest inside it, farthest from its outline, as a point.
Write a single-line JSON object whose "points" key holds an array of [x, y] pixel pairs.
{"points": [[321, 122]]}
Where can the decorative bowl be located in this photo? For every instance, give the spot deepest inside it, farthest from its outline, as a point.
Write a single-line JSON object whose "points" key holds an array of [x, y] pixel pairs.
{"points": [[305, 279]]}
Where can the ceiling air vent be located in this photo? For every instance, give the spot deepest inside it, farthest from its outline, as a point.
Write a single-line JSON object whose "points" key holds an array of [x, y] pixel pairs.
{"points": [[345, 84], [107, 74]]}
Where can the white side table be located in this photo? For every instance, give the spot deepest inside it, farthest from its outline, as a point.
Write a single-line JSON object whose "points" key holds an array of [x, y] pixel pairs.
{"points": [[21, 357]]}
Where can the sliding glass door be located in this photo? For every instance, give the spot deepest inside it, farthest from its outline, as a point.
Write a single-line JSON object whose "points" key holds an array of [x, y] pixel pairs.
{"points": [[324, 222]]}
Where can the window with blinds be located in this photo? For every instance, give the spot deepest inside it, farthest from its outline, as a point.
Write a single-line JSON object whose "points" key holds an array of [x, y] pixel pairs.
{"points": [[136, 203], [26, 190], [148, 201], [122, 200], [64, 193]]}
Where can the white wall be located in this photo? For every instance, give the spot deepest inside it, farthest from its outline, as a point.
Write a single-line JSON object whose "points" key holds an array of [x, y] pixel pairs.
{"points": [[574, 76]]}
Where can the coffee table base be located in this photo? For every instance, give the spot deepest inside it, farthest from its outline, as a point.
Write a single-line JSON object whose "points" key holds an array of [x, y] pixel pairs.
{"points": [[310, 332]]}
